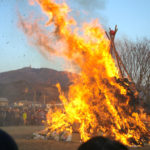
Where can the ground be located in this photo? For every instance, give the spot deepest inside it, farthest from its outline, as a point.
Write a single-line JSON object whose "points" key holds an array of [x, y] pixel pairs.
{"points": [[23, 137]]}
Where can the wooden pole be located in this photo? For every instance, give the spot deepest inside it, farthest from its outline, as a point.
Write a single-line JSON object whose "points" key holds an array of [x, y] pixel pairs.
{"points": [[111, 37], [120, 62]]}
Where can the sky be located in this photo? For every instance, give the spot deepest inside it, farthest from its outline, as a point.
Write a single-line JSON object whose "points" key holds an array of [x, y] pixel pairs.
{"points": [[131, 16]]}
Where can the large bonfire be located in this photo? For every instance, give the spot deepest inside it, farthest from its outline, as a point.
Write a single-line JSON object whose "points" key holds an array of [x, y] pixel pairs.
{"points": [[97, 103]]}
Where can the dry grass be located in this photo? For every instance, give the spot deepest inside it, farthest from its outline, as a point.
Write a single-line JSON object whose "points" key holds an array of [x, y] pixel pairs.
{"points": [[23, 137]]}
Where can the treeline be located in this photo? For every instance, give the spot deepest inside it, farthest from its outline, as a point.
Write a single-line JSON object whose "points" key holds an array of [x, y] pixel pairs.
{"points": [[136, 57]]}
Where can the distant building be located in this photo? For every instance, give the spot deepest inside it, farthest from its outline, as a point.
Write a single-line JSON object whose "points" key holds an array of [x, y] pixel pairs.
{"points": [[22, 103], [48, 105], [26, 103], [51, 105], [3, 101], [36, 104]]}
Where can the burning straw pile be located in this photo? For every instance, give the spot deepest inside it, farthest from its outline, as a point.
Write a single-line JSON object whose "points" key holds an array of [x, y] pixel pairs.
{"points": [[98, 101]]}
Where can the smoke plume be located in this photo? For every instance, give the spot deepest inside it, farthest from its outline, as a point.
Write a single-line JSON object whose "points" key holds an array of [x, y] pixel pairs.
{"points": [[93, 5]]}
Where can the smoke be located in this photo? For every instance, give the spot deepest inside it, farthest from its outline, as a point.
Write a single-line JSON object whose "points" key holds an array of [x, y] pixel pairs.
{"points": [[93, 9], [92, 5]]}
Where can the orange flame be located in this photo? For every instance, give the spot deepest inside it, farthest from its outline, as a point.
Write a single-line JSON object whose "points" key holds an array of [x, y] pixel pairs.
{"points": [[96, 103]]}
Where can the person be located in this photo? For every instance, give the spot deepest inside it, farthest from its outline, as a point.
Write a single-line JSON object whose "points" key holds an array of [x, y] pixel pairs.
{"points": [[102, 143], [24, 116], [7, 142]]}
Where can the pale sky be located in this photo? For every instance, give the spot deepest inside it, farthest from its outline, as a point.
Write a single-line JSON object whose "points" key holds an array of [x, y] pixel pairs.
{"points": [[131, 16]]}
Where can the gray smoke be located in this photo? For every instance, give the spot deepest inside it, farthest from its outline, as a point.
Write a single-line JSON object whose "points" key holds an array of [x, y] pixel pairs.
{"points": [[93, 5], [94, 10]]}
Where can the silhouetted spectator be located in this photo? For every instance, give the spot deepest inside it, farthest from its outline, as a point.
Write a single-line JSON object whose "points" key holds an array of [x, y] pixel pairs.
{"points": [[102, 143], [8, 118], [7, 142]]}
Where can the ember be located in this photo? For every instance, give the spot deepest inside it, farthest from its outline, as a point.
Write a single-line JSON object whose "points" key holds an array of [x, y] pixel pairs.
{"points": [[99, 102]]}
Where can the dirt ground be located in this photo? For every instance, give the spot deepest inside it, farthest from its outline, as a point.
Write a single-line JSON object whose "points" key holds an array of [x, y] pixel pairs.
{"points": [[23, 137]]}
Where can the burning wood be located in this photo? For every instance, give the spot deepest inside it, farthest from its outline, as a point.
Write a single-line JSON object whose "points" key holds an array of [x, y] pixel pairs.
{"points": [[99, 101]]}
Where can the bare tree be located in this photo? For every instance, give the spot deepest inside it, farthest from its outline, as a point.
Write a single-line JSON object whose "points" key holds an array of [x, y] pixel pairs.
{"points": [[136, 58]]}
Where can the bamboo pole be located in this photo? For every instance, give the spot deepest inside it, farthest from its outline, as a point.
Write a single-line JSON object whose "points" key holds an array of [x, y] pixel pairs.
{"points": [[111, 37]]}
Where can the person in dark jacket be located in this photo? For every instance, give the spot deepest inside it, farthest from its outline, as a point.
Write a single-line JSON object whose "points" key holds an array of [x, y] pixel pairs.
{"points": [[102, 143], [7, 142]]}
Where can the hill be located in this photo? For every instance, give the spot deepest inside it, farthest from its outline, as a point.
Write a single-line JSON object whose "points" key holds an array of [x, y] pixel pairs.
{"points": [[30, 84]]}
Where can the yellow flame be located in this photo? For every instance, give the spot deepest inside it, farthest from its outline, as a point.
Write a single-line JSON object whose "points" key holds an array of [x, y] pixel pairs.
{"points": [[96, 103]]}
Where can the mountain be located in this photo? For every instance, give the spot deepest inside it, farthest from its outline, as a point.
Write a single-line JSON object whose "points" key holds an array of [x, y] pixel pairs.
{"points": [[43, 75], [33, 84]]}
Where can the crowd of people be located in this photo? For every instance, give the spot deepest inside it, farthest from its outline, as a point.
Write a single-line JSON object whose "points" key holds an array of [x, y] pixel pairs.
{"points": [[35, 116], [22, 116]]}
